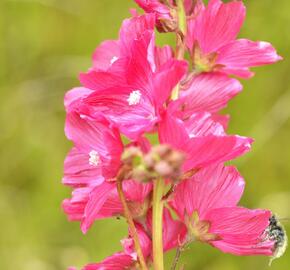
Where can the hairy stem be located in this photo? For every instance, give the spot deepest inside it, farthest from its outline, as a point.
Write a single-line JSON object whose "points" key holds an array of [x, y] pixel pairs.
{"points": [[176, 259], [157, 224], [130, 221]]}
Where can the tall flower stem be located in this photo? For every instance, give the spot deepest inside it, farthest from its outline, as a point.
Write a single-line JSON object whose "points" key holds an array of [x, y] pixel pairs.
{"points": [[130, 220], [157, 217]]}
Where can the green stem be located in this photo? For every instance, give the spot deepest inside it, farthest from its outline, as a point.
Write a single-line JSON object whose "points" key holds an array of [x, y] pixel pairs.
{"points": [[181, 17], [157, 224]]}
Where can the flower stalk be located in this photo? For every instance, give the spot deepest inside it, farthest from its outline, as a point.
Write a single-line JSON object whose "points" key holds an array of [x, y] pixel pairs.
{"points": [[129, 218], [158, 205]]}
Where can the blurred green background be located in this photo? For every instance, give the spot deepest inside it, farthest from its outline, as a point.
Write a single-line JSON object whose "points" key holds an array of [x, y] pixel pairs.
{"points": [[44, 44]]}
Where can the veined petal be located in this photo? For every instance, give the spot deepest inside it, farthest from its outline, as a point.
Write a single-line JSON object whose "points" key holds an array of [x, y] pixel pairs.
{"points": [[118, 261], [79, 172], [241, 54], [212, 187], [97, 138], [97, 198], [206, 92], [205, 124], [167, 77], [203, 151], [240, 230], [106, 54], [217, 25]]}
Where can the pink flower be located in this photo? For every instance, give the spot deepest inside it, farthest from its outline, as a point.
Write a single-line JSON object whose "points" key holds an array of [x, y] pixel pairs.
{"points": [[206, 203], [203, 145], [100, 143], [102, 201], [132, 102], [212, 41], [206, 92]]}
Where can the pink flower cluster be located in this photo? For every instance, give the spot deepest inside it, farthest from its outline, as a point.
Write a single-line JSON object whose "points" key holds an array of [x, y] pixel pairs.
{"points": [[134, 88]]}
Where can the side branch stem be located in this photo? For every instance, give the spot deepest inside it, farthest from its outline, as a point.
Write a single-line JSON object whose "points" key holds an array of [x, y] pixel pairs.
{"points": [[158, 205], [130, 220]]}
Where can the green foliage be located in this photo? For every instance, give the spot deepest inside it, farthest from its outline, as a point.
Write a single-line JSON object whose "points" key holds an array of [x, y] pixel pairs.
{"points": [[44, 44]]}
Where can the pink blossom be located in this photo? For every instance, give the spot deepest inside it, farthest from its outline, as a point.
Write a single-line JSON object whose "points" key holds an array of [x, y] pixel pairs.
{"points": [[101, 144], [102, 201], [132, 102], [201, 147], [212, 41], [206, 203]]}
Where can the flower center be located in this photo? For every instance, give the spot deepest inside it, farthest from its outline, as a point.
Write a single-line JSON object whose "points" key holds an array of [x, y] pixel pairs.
{"points": [[113, 60], [134, 98], [199, 229], [94, 158]]}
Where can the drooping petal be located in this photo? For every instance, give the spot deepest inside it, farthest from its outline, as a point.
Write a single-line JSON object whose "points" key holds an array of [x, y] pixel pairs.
{"points": [[216, 25], [237, 56], [212, 187], [96, 138], [240, 230], [136, 191], [118, 261], [206, 92]]}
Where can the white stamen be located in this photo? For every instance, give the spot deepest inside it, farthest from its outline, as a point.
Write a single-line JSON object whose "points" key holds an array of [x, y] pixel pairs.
{"points": [[114, 59], [134, 98], [94, 158]]}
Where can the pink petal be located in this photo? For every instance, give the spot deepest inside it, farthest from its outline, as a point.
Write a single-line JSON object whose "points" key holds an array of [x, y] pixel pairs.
{"points": [[162, 55], [118, 261], [72, 98], [78, 171], [207, 92], [106, 54], [97, 199], [154, 6], [212, 187], [240, 230], [136, 191], [167, 77], [204, 124], [241, 54], [217, 25], [203, 151]]}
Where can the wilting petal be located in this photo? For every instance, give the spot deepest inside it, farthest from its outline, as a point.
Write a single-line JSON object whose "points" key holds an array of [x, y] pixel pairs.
{"points": [[217, 25], [240, 230], [162, 55], [212, 187], [94, 136], [118, 261], [207, 92], [136, 191], [240, 54]]}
